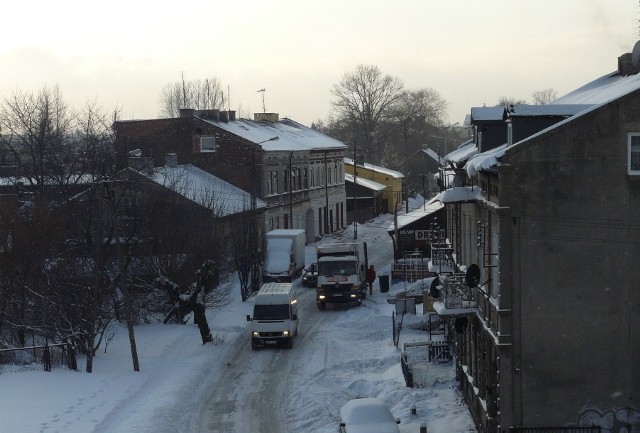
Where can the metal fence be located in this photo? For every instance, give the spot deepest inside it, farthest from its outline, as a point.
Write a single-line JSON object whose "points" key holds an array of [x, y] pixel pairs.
{"points": [[574, 429], [47, 355]]}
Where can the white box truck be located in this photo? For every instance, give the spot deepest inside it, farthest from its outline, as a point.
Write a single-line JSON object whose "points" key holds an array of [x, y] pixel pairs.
{"points": [[285, 255], [275, 316], [342, 270]]}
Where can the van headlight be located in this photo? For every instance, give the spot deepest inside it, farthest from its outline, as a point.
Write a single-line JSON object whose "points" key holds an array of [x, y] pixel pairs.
{"points": [[256, 334], [285, 333], [353, 295], [321, 297]]}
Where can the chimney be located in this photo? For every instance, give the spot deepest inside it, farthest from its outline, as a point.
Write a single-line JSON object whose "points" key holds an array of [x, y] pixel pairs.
{"points": [[186, 112], [224, 116], [171, 160], [208, 114], [268, 117], [232, 115]]}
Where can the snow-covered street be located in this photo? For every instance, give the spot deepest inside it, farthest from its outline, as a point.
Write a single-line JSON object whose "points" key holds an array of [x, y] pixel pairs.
{"points": [[184, 386]]}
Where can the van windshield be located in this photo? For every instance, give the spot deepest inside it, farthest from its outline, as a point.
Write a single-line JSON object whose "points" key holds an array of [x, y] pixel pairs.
{"points": [[271, 312], [337, 268]]}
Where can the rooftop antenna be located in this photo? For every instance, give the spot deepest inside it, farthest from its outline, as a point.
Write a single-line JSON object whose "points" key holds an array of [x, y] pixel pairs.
{"points": [[264, 108]]}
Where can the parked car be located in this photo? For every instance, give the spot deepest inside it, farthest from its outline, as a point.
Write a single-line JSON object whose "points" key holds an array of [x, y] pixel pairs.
{"points": [[310, 276], [363, 415]]}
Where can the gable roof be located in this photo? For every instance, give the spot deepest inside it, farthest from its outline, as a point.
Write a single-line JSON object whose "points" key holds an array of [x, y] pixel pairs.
{"points": [[205, 189], [376, 168], [291, 135]]}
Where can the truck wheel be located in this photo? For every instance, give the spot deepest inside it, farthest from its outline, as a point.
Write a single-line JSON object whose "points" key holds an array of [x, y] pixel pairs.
{"points": [[322, 306], [254, 346], [290, 343]]}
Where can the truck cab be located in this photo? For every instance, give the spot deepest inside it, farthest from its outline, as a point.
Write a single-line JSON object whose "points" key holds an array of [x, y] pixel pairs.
{"points": [[275, 316], [341, 273]]}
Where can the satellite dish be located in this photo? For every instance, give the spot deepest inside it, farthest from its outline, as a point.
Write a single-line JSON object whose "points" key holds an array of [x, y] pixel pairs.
{"points": [[472, 276], [433, 289]]}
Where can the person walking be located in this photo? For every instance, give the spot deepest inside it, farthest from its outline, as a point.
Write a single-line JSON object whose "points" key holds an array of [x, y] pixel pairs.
{"points": [[371, 277]]}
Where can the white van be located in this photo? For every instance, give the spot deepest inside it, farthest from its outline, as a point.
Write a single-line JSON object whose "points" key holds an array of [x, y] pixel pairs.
{"points": [[275, 316]]}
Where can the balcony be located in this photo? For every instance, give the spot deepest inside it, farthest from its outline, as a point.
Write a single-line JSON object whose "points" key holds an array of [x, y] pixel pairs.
{"points": [[456, 297]]}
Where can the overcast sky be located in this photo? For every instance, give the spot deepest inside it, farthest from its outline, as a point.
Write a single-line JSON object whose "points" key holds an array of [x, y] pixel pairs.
{"points": [[122, 53]]}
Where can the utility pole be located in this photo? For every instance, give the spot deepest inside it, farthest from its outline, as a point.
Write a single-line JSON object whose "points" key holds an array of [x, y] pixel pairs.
{"points": [[355, 192], [290, 191], [326, 194]]}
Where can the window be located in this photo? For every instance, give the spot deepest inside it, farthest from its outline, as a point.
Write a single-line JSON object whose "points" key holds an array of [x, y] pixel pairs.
{"points": [[286, 180], [633, 154], [207, 144], [306, 179]]}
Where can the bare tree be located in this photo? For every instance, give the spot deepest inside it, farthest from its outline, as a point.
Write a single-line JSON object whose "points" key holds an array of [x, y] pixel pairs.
{"points": [[509, 100], [197, 94], [414, 113], [363, 100], [544, 96], [247, 246]]}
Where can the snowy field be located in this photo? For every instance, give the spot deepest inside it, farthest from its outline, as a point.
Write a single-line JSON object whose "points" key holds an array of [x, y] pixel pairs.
{"points": [[341, 354]]}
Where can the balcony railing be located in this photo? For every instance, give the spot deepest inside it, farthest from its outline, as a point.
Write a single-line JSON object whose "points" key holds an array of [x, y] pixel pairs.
{"points": [[456, 293]]}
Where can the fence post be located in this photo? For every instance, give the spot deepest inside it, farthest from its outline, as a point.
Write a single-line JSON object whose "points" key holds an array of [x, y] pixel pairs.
{"points": [[73, 364], [423, 427], [47, 357]]}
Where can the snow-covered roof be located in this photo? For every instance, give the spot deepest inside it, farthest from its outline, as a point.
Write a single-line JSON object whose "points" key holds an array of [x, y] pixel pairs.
{"points": [[485, 160], [375, 186], [465, 151], [291, 135], [430, 207], [205, 189], [601, 90], [433, 155], [377, 169], [487, 113], [526, 110], [594, 95], [460, 194]]}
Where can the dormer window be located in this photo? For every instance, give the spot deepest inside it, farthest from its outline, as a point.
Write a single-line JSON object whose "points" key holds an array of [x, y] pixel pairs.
{"points": [[208, 144], [633, 154]]}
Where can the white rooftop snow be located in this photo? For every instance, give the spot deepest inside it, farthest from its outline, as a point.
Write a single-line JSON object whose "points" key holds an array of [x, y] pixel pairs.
{"points": [[460, 194], [527, 110], [376, 168], [370, 184], [291, 135], [598, 92], [205, 189], [487, 113], [465, 151], [433, 155], [430, 207]]}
